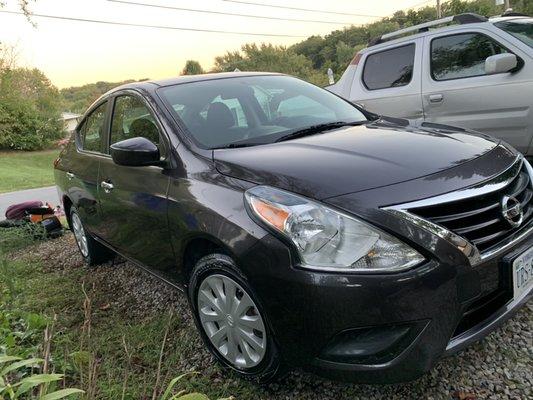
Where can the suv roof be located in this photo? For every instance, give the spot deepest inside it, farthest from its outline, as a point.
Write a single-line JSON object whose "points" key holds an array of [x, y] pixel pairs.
{"points": [[421, 29]]}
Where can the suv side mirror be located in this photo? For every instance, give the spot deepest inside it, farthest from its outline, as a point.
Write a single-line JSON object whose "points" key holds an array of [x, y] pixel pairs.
{"points": [[135, 152], [500, 63]]}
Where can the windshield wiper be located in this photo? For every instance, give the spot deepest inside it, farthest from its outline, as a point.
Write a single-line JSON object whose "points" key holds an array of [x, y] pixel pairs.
{"points": [[238, 145], [310, 130], [319, 128]]}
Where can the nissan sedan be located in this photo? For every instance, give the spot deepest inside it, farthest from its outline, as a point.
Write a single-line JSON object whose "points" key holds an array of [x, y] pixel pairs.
{"points": [[304, 231]]}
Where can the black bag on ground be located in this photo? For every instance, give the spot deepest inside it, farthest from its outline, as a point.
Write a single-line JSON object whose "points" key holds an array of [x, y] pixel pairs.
{"points": [[52, 227]]}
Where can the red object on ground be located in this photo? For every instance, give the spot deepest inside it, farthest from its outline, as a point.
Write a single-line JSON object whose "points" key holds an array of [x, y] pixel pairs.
{"points": [[18, 211]]}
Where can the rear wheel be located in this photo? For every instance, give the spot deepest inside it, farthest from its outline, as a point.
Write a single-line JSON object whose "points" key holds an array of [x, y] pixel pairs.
{"points": [[231, 320], [92, 252]]}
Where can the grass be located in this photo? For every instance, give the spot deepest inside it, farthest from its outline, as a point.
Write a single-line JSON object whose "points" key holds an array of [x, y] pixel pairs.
{"points": [[104, 351], [26, 170], [111, 351]]}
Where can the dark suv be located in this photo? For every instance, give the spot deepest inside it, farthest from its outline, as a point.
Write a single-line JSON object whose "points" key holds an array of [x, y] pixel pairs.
{"points": [[304, 231]]}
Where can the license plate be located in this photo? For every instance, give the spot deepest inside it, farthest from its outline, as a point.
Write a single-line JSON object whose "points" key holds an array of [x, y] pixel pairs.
{"points": [[523, 273]]}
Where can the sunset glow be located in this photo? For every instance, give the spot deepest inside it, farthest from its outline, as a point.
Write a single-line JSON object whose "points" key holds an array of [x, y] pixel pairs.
{"points": [[74, 52]]}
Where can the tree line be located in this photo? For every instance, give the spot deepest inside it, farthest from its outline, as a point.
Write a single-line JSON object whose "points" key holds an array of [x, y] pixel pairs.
{"points": [[311, 58]]}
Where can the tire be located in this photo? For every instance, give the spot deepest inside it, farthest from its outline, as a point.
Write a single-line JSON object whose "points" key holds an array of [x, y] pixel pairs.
{"points": [[253, 363], [93, 252]]}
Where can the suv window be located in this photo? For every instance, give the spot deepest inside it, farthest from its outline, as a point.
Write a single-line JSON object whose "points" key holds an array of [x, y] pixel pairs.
{"points": [[462, 56], [131, 118], [389, 68], [92, 130]]}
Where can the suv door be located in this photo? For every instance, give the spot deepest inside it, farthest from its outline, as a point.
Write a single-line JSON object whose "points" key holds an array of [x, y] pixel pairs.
{"points": [[134, 199], [389, 81], [456, 90], [82, 165]]}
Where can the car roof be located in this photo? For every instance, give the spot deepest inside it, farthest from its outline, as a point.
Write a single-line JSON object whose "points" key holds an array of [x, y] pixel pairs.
{"points": [[448, 28], [189, 78]]}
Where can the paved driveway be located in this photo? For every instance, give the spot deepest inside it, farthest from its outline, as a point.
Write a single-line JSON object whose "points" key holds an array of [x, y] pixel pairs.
{"points": [[46, 194]]}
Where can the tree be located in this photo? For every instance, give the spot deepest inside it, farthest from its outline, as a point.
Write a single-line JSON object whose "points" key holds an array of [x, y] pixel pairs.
{"points": [[192, 67], [29, 110], [269, 58], [311, 48], [78, 98], [24, 6], [8, 57]]}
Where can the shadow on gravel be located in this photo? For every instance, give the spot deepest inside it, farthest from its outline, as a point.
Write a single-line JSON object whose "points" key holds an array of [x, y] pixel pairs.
{"points": [[499, 367]]}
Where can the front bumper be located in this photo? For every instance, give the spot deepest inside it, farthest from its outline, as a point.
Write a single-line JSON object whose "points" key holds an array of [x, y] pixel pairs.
{"points": [[446, 307]]}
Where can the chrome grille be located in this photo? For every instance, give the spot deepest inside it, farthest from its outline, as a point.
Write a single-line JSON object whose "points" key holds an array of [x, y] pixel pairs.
{"points": [[479, 219]]}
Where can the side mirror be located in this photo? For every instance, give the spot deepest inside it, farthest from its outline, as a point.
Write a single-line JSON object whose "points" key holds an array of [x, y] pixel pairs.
{"points": [[500, 63], [135, 152]]}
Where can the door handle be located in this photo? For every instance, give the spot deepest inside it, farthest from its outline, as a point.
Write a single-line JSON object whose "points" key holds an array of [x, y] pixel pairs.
{"points": [[436, 98], [70, 176], [107, 186]]}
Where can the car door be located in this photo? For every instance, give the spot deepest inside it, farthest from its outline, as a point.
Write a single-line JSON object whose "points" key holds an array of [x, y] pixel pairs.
{"points": [[456, 90], [388, 83], [134, 199], [82, 165]]}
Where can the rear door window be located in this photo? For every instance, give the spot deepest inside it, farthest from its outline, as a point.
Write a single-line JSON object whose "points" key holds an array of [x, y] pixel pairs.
{"points": [[389, 68], [462, 56], [93, 129]]}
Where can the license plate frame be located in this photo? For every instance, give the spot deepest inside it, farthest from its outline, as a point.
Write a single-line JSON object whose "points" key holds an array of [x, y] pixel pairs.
{"points": [[522, 272]]}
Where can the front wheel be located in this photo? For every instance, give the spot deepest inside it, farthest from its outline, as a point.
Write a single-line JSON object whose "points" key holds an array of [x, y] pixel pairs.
{"points": [[231, 320], [93, 253]]}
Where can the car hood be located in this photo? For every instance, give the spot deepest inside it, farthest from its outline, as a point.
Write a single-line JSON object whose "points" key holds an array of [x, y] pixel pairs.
{"points": [[354, 158]]}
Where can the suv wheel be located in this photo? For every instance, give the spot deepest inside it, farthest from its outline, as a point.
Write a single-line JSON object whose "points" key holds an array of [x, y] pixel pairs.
{"points": [[92, 252], [231, 320]]}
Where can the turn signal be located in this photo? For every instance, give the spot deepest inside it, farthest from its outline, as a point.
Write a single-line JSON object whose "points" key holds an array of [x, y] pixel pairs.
{"points": [[273, 215]]}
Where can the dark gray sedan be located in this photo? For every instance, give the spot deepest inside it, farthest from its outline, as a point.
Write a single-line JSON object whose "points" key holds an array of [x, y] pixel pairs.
{"points": [[304, 231]]}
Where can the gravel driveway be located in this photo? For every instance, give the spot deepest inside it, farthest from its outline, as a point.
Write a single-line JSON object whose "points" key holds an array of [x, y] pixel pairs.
{"points": [[499, 367]]}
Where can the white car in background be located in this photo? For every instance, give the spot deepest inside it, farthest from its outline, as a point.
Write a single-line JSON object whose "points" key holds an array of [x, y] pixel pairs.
{"points": [[476, 73]]}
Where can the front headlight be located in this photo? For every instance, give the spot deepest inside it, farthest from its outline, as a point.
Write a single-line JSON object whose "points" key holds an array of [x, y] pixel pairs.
{"points": [[327, 239]]}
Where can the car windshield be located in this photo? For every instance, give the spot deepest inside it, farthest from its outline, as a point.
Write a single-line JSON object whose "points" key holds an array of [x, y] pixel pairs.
{"points": [[522, 29], [254, 110]]}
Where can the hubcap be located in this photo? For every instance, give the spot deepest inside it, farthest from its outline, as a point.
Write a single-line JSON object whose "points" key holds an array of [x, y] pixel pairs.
{"points": [[232, 321], [79, 234]]}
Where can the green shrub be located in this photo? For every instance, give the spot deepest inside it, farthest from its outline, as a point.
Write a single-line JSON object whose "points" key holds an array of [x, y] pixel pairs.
{"points": [[17, 380], [29, 110]]}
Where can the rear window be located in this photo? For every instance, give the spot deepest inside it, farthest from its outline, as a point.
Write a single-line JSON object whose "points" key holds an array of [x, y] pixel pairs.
{"points": [[522, 29], [389, 68]]}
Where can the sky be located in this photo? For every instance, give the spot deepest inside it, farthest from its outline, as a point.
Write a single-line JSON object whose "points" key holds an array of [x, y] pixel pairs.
{"points": [[73, 53]]}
